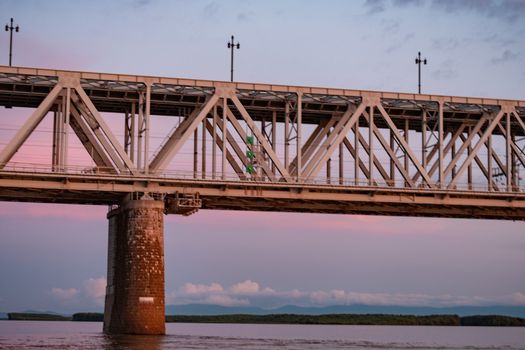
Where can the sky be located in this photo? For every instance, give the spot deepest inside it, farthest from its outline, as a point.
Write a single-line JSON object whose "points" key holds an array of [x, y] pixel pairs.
{"points": [[53, 257]]}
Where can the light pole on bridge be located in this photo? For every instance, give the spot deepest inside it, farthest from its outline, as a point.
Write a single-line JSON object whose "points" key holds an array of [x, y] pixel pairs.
{"points": [[418, 62], [7, 29], [232, 46]]}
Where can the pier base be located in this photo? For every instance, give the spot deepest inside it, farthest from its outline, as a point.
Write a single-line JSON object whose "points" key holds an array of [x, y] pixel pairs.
{"points": [[135, 279]]}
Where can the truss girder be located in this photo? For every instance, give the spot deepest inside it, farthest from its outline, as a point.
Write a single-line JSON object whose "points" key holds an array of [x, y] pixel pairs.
{"points": [[29, 126], [296, 131]]}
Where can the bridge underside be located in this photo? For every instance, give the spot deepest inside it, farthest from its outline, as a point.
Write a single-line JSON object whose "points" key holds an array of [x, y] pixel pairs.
{"points": [[224, 195]]}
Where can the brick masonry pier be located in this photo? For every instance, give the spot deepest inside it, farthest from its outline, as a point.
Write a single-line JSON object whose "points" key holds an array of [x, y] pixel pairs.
{"points": [[135, 278]]}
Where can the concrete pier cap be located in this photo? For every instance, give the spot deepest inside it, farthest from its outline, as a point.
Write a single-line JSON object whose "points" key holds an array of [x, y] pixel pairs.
{"points": [[135, 277]]}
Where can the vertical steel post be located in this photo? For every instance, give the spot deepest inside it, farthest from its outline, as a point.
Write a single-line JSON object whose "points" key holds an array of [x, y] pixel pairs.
{"points": [[140, 130], [356, 146], [440, 145], [132, 132], [195, 152], [489, 162], [65, 140], [392, 164], [203, 167], [214, 144], [469, 168], [274, 137], [508, 152], [299, 126], [406, 136], [341, 163], [452, 156], [286, 134], [147, 127], [328, 163], [370, 145], [224, 137], [126, 132], [515, 175], [424, 140]]}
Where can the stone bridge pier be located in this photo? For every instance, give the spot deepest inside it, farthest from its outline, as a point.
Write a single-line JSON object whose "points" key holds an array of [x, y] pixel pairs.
{"points": [[135, 278]]}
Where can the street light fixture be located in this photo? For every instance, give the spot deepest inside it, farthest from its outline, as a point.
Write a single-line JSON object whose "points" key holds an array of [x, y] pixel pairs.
{"points": [[231, 46], [418, 62], [7, 29]]}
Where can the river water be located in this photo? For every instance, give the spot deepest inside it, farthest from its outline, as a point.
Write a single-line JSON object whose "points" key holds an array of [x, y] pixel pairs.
{"points": [[182, 336]]}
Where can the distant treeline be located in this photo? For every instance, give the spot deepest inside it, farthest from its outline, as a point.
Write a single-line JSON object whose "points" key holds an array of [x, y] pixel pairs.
{"points": [[335, 319], [351, 319], [22, 316]]}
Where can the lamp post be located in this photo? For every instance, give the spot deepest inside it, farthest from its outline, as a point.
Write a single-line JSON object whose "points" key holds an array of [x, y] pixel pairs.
{"points": [[7, 29], [231, 46], [418, 62]]}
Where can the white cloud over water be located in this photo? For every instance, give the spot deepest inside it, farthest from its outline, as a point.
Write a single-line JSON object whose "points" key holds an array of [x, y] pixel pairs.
{"points": [[250, 293], [92, 292]]}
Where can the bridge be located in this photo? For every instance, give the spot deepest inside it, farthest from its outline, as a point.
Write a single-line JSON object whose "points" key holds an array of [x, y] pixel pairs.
{"points": [[246, 146]]}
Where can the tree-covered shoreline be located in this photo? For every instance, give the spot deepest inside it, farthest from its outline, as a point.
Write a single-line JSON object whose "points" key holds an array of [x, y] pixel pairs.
{"points": [[327, 319]]}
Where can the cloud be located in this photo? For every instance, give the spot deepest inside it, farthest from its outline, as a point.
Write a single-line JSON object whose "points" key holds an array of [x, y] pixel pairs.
{"points": [[506, 56], [211, 8], [95, 290], [199, 289], [245, 16], [518, 298], [509, 10], [408, 2], [65, 295], [246, 287], [375, 6], [250, 293]]}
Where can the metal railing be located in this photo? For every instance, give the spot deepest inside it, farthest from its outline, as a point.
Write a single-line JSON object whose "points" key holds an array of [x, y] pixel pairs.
{"points": [[190, 175]]}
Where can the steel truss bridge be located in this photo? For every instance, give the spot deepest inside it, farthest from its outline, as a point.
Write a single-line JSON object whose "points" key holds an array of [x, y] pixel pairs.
{"points": [[265, 147]]}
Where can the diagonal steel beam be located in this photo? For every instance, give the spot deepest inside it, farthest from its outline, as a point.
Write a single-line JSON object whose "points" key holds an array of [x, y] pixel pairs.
{"points": [[453, 138], [405, 146], [465, 145], [517, 151], [313, 141], [393, 157], [265, 145], [376, 161], [89, 140], [481, 141], [174, 144], [340, 131], [238, 170], [243, 136], [357, 159], [29, 126], [105, 129], [482, 167], [100, 138]]}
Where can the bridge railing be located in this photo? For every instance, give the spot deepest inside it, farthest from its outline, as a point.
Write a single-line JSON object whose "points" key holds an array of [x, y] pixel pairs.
{"points": [[42, 169]]}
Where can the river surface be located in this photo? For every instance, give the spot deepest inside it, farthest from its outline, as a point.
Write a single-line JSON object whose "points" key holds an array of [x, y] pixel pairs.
{"points": [[182, 336]]}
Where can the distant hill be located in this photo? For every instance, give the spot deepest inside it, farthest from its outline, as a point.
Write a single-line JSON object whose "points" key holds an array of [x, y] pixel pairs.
{"points": [[208, 310]]}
